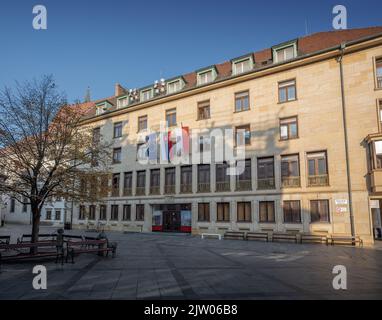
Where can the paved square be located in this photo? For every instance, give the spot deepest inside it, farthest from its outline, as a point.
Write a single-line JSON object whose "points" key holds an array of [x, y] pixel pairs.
{"points": [[163, 266]]}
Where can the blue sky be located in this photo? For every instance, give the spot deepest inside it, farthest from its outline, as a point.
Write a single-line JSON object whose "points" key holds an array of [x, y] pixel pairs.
{"points": [[98, 43]]}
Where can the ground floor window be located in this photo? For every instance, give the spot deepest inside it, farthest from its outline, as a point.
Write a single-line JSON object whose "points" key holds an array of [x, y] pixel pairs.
{"points": [[319, 211], [114, 212], [244, 212], [267, 211], [57, 216], [126, 212], [204, 212], [48, 215], [81, 215], [92, 209], [223, 212], [292, 212], [140, 212], [102, 212]]}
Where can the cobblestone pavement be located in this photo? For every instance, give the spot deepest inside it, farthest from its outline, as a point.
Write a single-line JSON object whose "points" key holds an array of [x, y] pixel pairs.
{"points": [[163, 266]]}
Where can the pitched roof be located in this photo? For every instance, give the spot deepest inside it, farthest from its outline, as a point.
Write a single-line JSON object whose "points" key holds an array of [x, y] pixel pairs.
{"points": [[306, 45]]}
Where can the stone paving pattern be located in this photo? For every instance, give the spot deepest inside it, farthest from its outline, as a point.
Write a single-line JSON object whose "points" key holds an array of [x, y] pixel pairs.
{"points": [[163, 266]]}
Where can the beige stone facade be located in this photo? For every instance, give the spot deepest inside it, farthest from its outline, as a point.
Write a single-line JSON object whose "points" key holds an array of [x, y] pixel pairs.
{"points": [[318, 108]]}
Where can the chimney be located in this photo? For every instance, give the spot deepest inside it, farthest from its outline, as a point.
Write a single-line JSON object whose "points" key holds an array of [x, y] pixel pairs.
{"points": [[119, 90]]}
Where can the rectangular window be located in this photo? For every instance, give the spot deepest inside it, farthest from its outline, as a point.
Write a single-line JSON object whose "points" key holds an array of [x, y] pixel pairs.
{"points": [[290, 171], [292, 212], [204, 110], [25, 205], [117, 130], [141, 183], [378, 66], [96, 136], [288, 128], [242, 66], [204, 144], [13, 204], [205, 77], [127, 183], [155, 181], [48, 215], [222, 177], [126, 212], [81, 215], [244, 180], [204, 176], [317, 169], [286, 53], [267, 211], [115, 185], [169, 180], [142, 123], [102, 212], [203, 212], [287, 91], [223, 212], [171, 118], [243, 135], [92, 210], [319, 211], [242, 101], [174, 86], [140, 212], [122, 102], [146, 94], [244, 212], [117, 155], [265, 173], [377, 147], [186, 179], [380, 114], [114, 212]]}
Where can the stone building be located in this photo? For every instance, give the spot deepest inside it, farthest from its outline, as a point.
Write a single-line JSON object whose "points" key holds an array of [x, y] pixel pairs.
{"points": [[309, 112]]}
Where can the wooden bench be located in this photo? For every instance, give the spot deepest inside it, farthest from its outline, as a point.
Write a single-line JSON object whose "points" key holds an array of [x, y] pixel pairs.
{"points": [[5, 239], [257, 236], [345, 240], [314, 238], [89, 246], [22, 251], [208, 235], [26, 238], [69, 237], [234, 235], [276, 237]]}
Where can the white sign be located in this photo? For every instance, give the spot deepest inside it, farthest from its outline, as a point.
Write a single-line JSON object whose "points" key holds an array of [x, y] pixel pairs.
{"points": [[374, 204], [341, 202]]}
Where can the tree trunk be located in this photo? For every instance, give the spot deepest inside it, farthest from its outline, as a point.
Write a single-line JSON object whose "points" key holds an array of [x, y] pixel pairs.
{"points": [[35, 227]]}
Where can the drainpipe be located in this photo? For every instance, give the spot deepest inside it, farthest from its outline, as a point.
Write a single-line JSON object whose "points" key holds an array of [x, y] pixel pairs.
{"points": [[339, 60]]}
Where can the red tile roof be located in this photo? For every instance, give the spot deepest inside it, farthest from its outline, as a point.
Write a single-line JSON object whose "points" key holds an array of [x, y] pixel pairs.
{"points": [[306, 45]]}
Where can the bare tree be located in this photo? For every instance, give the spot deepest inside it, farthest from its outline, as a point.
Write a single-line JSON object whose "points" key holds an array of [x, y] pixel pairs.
{"points": [[45, 151]]}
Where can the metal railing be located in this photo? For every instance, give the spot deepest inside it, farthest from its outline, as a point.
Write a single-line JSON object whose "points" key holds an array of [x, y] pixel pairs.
{"points": [[140, 191], [318, 181], [127, 191], [186, 188], [243, 185], [290, 182], [266, 184], [223, 186], [169, 189], [204, 187], [155, 190]]}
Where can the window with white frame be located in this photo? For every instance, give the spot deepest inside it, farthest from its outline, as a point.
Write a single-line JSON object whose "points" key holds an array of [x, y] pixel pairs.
{"points": [[242, 66], [285, 53], [174, 86], [122, 102], [206, 77], [146, 94]]}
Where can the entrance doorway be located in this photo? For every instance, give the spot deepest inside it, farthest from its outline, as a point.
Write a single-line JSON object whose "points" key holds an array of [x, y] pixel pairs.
{"points": [[171, 221]]}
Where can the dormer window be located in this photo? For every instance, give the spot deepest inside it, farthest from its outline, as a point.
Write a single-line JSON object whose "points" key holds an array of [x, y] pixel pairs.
{"points": [[285, 52], [175, 86], [206, 76], [242, 65], [122, 102], [147, 94], [102, 107]]}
